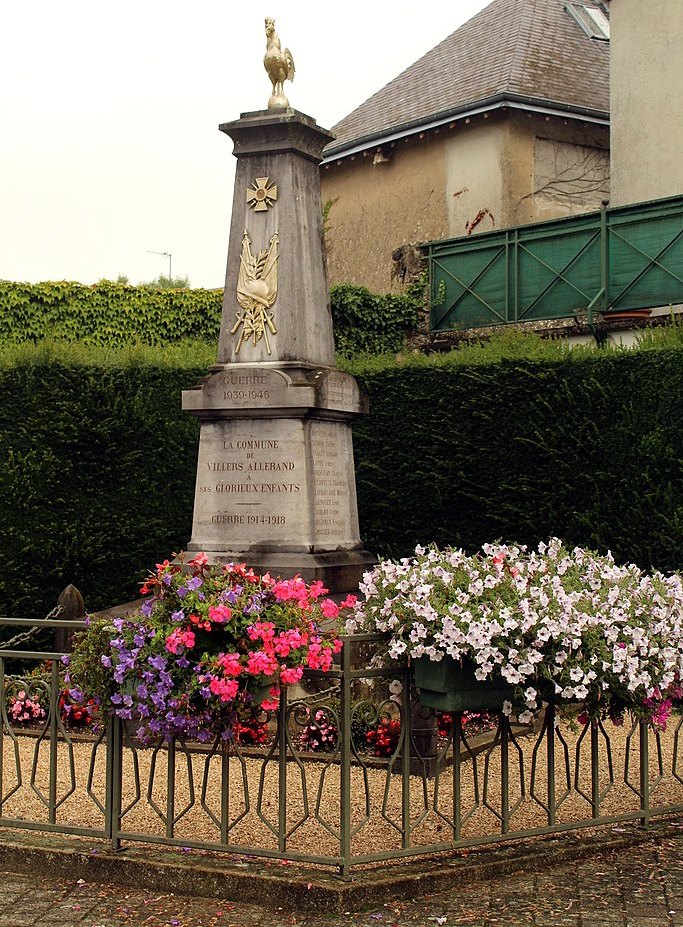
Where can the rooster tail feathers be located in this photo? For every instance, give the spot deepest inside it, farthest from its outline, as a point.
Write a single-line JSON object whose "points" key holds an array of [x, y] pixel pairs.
{"points": [[290, 64]]}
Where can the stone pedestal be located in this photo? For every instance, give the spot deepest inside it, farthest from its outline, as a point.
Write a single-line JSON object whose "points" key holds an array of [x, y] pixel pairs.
{"points": [[275, 474]]}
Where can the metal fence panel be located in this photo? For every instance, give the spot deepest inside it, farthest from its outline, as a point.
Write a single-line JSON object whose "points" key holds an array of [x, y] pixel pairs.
{"points": [[615, 260], [433, 783]]}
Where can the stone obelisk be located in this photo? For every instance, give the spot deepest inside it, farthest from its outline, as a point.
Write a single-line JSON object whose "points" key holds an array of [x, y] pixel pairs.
{"points": [[275, 474]]}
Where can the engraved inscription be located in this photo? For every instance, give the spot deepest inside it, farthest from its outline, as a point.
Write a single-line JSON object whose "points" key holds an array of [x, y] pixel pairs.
{"points": [[250, 475], [330, 483]]}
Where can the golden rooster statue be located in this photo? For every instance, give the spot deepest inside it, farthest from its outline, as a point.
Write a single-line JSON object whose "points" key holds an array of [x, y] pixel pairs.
{"points": [[279, 65]]}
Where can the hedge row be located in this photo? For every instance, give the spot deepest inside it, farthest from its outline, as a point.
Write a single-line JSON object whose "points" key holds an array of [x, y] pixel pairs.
{"points": [[97, 460], [113, 314]]}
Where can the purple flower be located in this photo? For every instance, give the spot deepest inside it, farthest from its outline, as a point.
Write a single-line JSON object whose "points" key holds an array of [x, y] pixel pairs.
{"points": [[182, 592], [105, 660], [158, 662], [167, 579], [178, 615], [195, 583], [145, 608]]}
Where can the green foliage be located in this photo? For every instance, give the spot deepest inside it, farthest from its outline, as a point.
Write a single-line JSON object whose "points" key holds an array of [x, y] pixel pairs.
{"points": [[111, 314], [584, 446], [516, 440], [365, 322], [97, 466], [108, 314], [168, 283]]}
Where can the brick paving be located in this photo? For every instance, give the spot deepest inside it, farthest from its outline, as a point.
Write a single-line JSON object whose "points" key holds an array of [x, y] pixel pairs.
{"points": [[637, 886]]}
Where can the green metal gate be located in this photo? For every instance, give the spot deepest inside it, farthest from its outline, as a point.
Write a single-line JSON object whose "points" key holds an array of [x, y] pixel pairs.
{"points": [[614, 260]]}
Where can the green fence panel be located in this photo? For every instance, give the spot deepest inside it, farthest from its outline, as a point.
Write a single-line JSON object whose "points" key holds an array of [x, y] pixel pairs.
{"points": [[615, 260], [558, 270], [645, 255]]}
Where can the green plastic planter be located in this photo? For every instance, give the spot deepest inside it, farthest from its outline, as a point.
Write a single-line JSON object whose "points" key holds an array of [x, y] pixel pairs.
{"points": [[450, 685]]}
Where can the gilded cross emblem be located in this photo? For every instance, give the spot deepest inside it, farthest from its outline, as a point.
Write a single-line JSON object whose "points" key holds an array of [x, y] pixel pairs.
{"points": [[262, 194]]}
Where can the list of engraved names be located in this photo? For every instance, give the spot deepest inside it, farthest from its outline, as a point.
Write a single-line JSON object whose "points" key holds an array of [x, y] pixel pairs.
{"points": [[330, 483]]}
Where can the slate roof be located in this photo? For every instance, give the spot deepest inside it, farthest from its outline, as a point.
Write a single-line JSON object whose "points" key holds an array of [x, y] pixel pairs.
{"points": [[524, 50]]}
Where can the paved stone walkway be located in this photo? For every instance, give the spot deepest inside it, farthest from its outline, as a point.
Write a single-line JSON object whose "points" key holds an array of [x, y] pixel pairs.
{"points": [[640, 886]]}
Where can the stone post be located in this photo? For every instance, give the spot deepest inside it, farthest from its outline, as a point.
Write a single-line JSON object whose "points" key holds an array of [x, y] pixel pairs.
{"points": [[275, 473], [73, 609]]}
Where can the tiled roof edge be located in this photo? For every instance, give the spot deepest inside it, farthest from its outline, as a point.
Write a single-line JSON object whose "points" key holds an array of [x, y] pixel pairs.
{"points": [[497, 101]]}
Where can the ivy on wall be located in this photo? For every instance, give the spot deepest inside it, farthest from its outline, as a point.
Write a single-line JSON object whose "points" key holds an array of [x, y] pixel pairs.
{"points": [[107, 314], [113, 314], [367, 323]]}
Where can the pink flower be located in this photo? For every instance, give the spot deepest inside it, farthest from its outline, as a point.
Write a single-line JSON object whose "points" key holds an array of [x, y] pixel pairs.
{"points": [[261, 663], [282, 646], [220, 613], [349, 602], [316, 589], [291, 674], [296, 588], [177, 639], [230, 662], [329, 608], [199, 561], [225, 689], [270, 704]]}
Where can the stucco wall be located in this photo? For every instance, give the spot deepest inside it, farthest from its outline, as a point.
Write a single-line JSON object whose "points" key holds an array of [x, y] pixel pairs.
{"points": [[509, 169], [555, 168], [377, 208], [646, 88], [474, 180]]}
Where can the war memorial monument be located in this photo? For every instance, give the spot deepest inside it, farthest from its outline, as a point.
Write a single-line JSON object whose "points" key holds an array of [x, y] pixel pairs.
{"points": [[275, 474]]}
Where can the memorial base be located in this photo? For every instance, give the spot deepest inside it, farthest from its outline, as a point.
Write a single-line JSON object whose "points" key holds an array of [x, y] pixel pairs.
{"points": [[339, 571]]}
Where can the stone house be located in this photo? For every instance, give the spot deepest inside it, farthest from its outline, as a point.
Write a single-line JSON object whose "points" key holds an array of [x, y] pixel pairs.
{"points": [[505, 122]]}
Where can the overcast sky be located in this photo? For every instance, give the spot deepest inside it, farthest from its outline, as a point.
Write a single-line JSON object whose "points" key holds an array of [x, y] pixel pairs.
{"points": [[109, 146]]}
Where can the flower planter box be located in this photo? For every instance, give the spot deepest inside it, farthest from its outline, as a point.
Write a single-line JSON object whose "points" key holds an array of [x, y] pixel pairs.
{"points": [[452, 686]]}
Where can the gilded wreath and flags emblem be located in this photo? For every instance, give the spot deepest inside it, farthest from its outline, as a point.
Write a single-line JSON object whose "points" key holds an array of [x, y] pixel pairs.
{"points": [[256, 293]]}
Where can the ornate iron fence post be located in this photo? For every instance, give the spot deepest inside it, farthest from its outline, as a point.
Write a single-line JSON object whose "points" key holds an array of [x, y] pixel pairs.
{"points": [[345, 759], [282, 771], [113, 781], [644, 773]]}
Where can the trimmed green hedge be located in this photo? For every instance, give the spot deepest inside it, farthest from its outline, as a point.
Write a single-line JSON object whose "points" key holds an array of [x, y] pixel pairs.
{"points": [[97, 466], [589, 449], [97, 460], [114, 314]]}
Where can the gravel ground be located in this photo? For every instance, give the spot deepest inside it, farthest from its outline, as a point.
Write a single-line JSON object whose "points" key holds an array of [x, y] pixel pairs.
{"points": [[317, 804]]}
